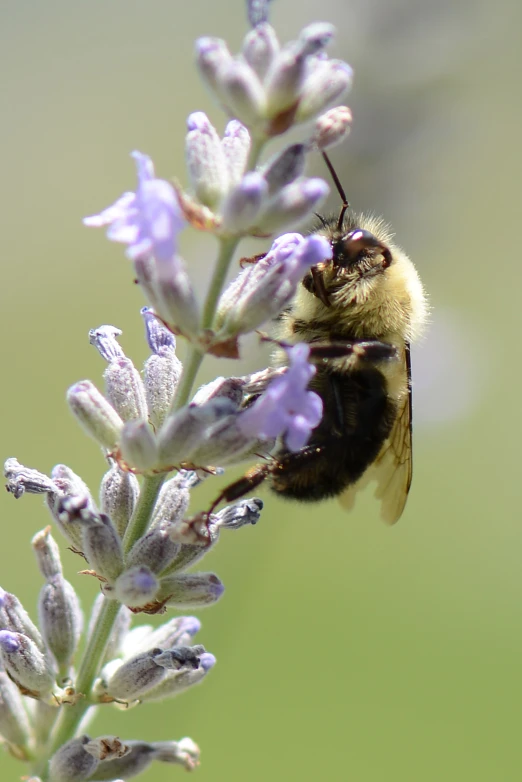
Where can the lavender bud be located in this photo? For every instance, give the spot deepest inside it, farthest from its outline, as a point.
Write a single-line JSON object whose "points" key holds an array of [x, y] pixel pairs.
{"points": [[47, 553], [206, 160], [25, 664], [138, 446], [125, 389], [155, 550], [61, 620], [22, 479], [260, 48], [212, 55], [104, 340], [95, 413], [119, 494], [332, 127], [293, 204], [14, 617], [326, 82], [242, 93], [181, 432], [72, 501], [227, 387], [242, 204], [190, 590], [284, 79], [162, 370], [285, 167], [316, 36], [173, 500], [179, 631], [14, 723], [236, 147], [72, 763], [225, 443], [136, 587], [240, 513], [135, 676], [102, 547], [180, 681], [119, 631]]}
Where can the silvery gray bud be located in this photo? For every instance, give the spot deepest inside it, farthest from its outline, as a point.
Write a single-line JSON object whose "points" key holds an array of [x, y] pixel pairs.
{"points": [[135, 676], [285, 167], [119, 492], [179, 631], [107, 748], [72, 763], [243, 203], [236, 144], [26, 664], [226, 387], [135, 587], [173, 499], [293, 204], [316, 36], [125, 390], [21, 479], [180, 681], [102, 547], [225, 443], [119, 630], [326, 81], [73, 500], [47, 553], [260, 47], [61, 620], [182, 432], [97, 416], [206, 160], [13, 616], [162, 370], [284, 79], [240, 513], [14, 723], [212, 55], [155, 549], [242, 92], [332, 127], [189, 590], [138, 446]]}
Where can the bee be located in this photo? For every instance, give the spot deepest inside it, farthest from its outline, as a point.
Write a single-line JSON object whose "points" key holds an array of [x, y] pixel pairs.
{"points": [[359, 313]]}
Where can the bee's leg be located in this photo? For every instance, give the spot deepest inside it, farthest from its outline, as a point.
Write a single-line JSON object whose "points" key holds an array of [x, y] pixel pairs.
{"points": [[247, 482]]}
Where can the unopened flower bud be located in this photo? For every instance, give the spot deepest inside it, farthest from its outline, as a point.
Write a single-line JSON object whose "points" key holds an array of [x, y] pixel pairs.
{"points": [[72, 763], [135, 676], [316, 36], [284, 79], [293, 204], [14, 617], [21, 479], [102, 547], [285, 167], [225, 443], [242, 204], [212, 55], [14, 723], [71, 502], [125, 389], [189, 590], [61, 620], [136, 586], [206, 160], [180, 681], [173, 500], [119, 494], [162, 370], [260, 47], [26, 664], [332, 127], [95, 413], [155, 550], [138, 446], [47, 553], [325, 83], [227, 387], [179, 631], [236, 144]]}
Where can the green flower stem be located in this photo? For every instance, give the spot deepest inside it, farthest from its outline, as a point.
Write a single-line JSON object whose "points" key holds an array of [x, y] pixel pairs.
{"points": [[140, 519]]}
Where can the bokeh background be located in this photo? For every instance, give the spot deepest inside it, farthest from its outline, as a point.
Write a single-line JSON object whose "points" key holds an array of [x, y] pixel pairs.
{"points": [[346, 650]]}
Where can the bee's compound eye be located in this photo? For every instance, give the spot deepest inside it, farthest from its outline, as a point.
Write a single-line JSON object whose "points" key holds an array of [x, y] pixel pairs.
{"points": [[359, 244]]}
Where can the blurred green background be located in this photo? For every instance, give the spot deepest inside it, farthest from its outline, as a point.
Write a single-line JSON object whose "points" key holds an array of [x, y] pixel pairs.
{"points": [[346, 650]]}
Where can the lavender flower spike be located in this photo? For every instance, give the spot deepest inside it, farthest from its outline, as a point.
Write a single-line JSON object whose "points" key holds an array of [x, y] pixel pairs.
{"points": [[149, 220], [287, 408]]}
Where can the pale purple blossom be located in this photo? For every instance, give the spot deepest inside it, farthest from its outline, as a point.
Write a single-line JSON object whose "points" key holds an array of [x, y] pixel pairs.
{"points": [[149, 220], [287, 407]]}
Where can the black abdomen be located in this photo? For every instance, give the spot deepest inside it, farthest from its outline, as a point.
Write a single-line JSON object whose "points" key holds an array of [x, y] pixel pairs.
{"points": [[358, 416]]}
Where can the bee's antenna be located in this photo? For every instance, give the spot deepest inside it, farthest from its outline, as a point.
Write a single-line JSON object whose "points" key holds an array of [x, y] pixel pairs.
{"points": [[340, 190]]}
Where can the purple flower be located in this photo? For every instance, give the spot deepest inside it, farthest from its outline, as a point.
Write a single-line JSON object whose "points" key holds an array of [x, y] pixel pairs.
{"points": [[286, 407], [148, 220]]}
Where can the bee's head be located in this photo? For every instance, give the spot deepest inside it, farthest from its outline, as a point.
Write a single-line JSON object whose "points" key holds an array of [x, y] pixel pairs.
{"points": [[361, 253]]}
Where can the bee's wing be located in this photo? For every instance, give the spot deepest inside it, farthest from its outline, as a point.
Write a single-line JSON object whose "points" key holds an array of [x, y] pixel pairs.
{"points": [[392, 470]]}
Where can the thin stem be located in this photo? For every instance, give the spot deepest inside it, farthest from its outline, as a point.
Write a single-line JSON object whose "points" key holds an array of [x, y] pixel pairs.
{"points": [[149, 491]]}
